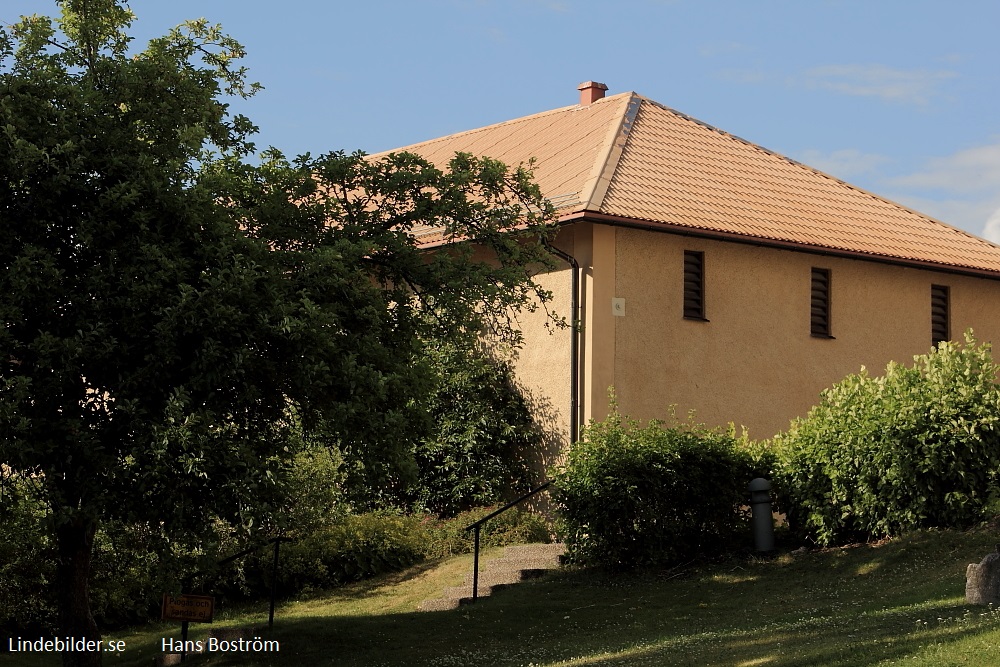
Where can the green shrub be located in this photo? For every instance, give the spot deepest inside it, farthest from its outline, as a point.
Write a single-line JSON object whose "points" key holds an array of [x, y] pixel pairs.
{"points": [[449, 536], [634, 495], [314, 484], [917, 447], [365, 545], [355, 547], [26, 561], [129, 573], [134, 564]]}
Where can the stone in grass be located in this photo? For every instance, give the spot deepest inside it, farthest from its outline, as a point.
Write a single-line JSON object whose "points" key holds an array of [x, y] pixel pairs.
{"points": [[982, 581]]}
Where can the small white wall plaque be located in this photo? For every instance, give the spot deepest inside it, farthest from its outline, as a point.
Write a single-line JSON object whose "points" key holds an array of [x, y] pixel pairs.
{"points": [[618, 307]]}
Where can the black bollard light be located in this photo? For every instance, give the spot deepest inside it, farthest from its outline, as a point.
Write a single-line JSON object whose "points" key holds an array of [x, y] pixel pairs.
{"points": [[761, 518]]}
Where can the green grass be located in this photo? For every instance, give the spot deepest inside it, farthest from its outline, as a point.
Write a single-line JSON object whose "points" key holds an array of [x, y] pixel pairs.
{"points": [[897, 603]]}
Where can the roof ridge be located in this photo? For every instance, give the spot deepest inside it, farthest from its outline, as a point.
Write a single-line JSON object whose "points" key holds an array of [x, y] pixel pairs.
{"points": [[610, 152], [819, 172]]}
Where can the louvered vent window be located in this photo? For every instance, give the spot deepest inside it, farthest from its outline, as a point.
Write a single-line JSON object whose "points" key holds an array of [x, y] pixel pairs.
{"points": [[694, 285], [939, 314], [819, 320]]}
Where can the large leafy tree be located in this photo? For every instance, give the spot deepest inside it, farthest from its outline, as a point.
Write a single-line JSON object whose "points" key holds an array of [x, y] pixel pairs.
{"points": [[174, 318], [479, 449]]}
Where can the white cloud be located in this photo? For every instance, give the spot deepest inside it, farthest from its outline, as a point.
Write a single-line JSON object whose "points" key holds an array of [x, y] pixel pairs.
{"points": [[971, 215], [845, 163], [916, 86], [991, 230], [962, 189], [968, 171]]}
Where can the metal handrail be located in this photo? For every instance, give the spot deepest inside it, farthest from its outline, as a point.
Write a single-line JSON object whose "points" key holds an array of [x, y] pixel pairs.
{"points": [[478, 525], [186, 584], [276, 541], [247, 552]]}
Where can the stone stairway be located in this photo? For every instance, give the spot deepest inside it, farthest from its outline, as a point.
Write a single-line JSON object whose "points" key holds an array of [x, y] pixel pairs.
{"points": [[516, 564]]}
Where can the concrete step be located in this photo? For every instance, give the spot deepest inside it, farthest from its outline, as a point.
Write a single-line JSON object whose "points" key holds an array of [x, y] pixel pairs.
{"points": [[489, 577], [510, 564], [464, 593], [514, 565]]}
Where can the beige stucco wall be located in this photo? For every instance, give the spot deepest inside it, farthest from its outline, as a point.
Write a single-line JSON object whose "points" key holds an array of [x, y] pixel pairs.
{"points": [[754, 362], [543, 362]]}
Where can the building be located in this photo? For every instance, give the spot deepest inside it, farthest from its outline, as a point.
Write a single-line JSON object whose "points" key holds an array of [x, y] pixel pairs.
{"points": [[718, 276]]}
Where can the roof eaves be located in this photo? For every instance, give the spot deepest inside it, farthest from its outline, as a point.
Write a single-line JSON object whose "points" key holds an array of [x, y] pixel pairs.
{"points": [[719, 235], [596, 185], [979, 240]]}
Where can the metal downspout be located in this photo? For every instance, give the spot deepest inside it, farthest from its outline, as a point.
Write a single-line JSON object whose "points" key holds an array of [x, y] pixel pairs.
{"points": [[576, 324]]}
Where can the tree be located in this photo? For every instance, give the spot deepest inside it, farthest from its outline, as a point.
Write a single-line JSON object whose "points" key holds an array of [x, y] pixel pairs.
{"points": [[478, 451], [175, 319]]}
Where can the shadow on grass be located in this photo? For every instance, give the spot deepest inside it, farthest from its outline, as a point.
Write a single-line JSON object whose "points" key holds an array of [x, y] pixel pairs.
{"points": [[363, 589], [864, 605], [707, 618]]}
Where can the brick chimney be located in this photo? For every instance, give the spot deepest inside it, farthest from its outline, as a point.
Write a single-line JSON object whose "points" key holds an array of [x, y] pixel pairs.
{"points": [[590, 92]]}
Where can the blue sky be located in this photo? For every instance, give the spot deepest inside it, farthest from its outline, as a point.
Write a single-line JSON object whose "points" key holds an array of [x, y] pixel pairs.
{"points": [[899, 97]]}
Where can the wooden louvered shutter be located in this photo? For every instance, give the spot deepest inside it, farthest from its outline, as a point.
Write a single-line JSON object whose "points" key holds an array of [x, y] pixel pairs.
{"points": [[694, 285], [939, 314], [819, 320]]}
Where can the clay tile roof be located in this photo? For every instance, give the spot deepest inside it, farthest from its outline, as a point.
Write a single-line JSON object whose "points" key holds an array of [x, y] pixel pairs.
{"points": [[628, 158], [564, 142]]}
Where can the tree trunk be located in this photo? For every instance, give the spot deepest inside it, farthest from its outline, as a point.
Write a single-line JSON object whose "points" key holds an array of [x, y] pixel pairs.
{"points": [[75, 540]]}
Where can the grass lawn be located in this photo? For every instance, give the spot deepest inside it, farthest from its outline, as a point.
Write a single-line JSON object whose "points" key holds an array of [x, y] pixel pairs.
{"points": [[897, 603]]}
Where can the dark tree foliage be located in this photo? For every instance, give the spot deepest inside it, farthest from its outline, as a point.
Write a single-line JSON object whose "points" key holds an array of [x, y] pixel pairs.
{"points": [[478, 449], [175, 320]]}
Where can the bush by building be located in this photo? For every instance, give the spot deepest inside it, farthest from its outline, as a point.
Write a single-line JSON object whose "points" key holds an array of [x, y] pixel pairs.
{"points": [[633, 495], [916, 447]]}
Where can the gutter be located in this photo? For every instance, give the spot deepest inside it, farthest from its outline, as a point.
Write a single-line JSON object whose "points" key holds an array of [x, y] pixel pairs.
{"points": [[734, 237], [577, 330]]}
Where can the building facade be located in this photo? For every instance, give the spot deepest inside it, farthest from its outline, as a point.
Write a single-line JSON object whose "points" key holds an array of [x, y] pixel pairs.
{"points": [[716, 276]]}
